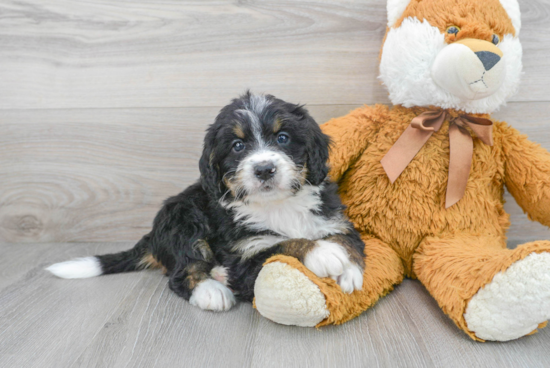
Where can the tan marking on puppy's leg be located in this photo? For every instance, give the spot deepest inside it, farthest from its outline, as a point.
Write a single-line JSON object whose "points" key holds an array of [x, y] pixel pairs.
{"points": [[148, 261], [206, 292], [197, 272], [203, 248], [297, 248]]}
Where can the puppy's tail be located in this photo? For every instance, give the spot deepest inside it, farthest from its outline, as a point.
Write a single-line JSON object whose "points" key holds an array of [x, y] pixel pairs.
{"points": [[130, 260]]}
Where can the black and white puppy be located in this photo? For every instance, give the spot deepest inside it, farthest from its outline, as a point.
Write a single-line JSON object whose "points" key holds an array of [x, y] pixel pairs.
{"points": [[263, 191]]}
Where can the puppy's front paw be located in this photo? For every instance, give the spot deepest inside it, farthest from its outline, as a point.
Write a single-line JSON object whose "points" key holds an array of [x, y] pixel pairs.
{"points": [[327, 259], [330, 259], [351, 279], [212, 295]]}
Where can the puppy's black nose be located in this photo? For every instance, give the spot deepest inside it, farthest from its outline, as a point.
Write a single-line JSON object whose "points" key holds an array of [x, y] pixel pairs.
{"points": [[265, 171], [489, 59]]}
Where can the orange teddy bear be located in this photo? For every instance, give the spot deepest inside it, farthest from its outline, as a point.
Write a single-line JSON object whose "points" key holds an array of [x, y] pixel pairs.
{"points": [[424, 180]]}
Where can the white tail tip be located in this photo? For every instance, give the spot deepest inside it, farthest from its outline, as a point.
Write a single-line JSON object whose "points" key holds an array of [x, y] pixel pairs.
{"points": [[78, 268]]}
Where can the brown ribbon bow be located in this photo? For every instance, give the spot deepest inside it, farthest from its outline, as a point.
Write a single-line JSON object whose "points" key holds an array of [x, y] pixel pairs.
{"points": [[461, 145]]}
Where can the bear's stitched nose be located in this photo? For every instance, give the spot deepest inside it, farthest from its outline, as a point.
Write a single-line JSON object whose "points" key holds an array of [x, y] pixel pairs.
{"points": [[265, 171], [489, 59]]}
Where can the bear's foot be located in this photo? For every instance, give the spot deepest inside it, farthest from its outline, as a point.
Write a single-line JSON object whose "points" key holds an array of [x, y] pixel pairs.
{"points": [[515, 303], [287, 296]]}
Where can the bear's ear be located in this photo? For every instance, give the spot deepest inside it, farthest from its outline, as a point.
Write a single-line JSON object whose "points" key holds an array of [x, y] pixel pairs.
{"points": [[396, 8], [512, 9]]}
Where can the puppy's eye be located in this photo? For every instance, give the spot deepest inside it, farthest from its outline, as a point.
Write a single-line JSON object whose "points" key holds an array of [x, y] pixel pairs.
{"points": [[453, 30], [283, 138], [496, 39], [238, 146]]}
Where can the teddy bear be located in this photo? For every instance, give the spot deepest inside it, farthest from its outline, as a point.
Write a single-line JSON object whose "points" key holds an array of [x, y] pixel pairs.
{"points": [[423, 180]]}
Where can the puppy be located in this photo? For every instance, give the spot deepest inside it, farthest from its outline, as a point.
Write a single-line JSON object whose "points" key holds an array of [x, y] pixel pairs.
{"points": [[263, 191]]}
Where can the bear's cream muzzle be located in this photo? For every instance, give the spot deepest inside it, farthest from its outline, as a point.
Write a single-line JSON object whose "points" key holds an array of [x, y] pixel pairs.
{"points": [[470, 69]]}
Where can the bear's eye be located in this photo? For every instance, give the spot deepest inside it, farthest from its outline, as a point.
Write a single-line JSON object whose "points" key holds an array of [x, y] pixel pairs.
{"points": [[496, 39], [453, 30]]}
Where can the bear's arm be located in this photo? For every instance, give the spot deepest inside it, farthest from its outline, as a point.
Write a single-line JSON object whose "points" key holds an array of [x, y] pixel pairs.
{"points": [[350, 136], [526, 173]]}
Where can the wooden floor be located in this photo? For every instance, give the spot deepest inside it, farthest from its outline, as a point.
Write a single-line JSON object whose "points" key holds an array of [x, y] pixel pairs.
{"points": [[103, 105], [134, 320]]}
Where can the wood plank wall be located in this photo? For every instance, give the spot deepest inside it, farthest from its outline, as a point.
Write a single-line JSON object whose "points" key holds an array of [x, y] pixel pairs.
{"points": [[103, 104]]}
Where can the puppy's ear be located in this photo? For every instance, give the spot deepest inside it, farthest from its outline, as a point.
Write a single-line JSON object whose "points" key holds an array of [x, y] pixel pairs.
{"points": [[317, 147], [208, 166], [317, 151]]}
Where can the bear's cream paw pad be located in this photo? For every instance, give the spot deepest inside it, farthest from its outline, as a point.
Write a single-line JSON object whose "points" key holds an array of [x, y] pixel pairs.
{"points": [[287, 296], [514, 303]]}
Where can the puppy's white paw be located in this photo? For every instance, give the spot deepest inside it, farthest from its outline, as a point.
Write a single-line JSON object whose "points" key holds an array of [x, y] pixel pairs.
{"points": [[351, 279], [327, 259], [212, 295]]}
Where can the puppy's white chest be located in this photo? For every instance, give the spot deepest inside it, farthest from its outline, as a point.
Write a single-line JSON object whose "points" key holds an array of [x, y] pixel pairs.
{"points": [[290, 218]]}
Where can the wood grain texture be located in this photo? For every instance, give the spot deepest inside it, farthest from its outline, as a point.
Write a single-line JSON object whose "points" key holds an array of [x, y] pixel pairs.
{"points": [[43, 322], [134, 320], [103, 106], [101, 175], [97, 175], [102, 54], [191, 53]]}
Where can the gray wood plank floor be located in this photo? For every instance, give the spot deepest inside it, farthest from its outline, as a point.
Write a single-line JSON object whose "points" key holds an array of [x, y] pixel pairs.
{"points": [[102, 111], [134, 320], [101, 54]]}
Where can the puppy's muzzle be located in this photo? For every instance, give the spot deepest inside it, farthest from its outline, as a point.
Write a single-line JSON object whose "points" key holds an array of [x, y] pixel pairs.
{"points": [[265, 170]]}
